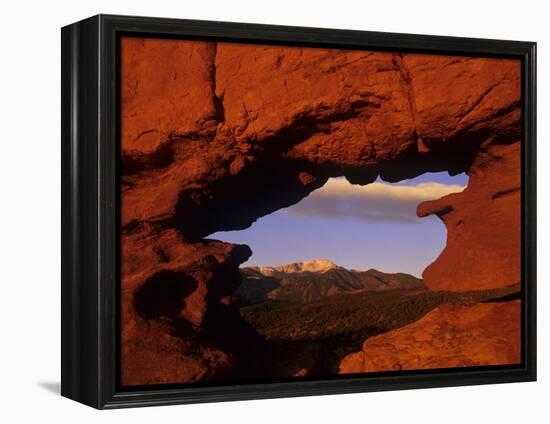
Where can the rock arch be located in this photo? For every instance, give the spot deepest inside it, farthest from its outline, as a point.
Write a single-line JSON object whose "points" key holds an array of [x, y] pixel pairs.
{"points": [[216, 135]]}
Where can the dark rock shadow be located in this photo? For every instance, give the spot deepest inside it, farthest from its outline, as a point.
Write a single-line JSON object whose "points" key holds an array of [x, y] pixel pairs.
{"points": [[163, 294]]}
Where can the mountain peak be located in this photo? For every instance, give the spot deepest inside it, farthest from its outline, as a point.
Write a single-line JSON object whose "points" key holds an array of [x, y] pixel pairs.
{"points": [[309, 281], [315, 265]]}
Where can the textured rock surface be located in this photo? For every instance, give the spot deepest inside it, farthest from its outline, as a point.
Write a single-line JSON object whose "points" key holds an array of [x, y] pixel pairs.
{"points": [[216, 135], [447, 337], [158, 91], [166, 288], [483, 248]]}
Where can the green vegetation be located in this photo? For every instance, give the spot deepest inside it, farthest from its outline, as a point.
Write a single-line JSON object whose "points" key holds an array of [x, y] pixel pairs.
{"points": [[317, 335]]}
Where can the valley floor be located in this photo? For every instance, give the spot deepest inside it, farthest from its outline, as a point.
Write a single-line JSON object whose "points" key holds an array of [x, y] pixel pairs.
{"points": [[299, 339]]}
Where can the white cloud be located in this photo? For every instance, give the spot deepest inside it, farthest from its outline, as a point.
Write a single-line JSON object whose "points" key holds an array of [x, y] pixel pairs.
{"points": [[378, 201]]}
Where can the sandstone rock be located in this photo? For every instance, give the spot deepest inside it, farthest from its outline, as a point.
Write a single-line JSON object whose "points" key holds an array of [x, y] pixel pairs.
{"points": [[481, 95], [483, 248], [157, 357], [216, 135], [157, 92], [353, 104], [449, 336], [166, 288]]}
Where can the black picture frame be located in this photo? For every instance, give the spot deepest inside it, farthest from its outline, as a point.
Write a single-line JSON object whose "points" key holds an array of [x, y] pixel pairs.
{"points": [[90, 212]]}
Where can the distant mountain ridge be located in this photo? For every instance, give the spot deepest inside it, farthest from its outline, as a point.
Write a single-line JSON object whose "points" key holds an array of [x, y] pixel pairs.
{"points": [[309, 281], [315, 265]]}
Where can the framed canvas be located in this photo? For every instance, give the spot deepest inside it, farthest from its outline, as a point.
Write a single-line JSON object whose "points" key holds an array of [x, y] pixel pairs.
{"points": [[254, 211]]}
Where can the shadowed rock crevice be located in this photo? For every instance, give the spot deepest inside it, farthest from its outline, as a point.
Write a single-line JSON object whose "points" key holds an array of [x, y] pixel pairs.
{"points": [[163, 295], [237, 202], [219, 109], [397, 60], [161, 158]]}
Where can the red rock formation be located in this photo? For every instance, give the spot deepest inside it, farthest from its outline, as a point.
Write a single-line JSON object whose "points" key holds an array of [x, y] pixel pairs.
{"points": [[158, 91], [483, 248], [450, 336], [166, 287], [216, 135]]}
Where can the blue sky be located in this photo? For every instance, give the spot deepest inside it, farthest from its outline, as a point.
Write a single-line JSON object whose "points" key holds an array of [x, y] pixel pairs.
{"points": [[360, 227]]}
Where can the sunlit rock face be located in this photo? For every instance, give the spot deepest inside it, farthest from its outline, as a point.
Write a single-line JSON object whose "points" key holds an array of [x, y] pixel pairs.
{"points": [[216, 135], [483, 225], [450, 336]]}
